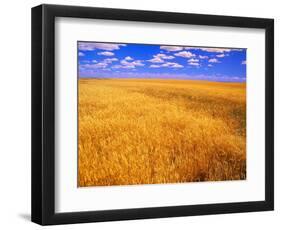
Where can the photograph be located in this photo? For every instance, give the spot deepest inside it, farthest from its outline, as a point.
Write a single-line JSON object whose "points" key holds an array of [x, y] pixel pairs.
{"points": [[142, 113], [154, 114]]}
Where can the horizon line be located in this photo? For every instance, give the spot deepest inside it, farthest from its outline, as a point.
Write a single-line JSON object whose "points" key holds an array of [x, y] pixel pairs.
{"points": [[236, 80]]}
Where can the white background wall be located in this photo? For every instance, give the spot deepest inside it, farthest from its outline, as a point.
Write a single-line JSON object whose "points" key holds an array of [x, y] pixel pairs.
{"points": [[15, 114]]}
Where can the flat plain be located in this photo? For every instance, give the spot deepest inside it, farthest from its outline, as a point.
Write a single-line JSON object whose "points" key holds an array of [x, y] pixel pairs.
{"points": [[150, 131]]}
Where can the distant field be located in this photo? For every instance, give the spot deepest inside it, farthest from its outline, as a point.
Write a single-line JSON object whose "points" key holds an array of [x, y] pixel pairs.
{"points": [[144, 131]]}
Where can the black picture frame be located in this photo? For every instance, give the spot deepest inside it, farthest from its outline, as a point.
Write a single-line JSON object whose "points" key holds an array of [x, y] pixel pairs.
{"points": [[43, 114]]}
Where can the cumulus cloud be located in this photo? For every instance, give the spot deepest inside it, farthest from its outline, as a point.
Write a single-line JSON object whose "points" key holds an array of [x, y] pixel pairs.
{"points": [[110, 60], [244, 62], [99, 65], [210, 65], [172, 65], [135, 63], [185, 54], [194, 63], [176, 65], [128, 65], [193, 60], [128, 58], [203, 57], [94, 66], [89, 46], [220, 55], [171, 48], [164, 56], [81, 54], [122, 67], [106, 53], [216, 50], [213, 50], [156, 60], [154, 66], [214, 60], [168, 65]]}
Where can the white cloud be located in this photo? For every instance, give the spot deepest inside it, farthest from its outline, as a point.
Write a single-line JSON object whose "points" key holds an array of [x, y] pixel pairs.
{"points": [[193, 60], [244, 62], [110, 60], [81, 54], [128, 58], [100, 65], [103, 64], [213, 60], [129, 65], [176, 65], [156, 60], [167, 64], [171, 48], [95, 66], [164, 56], [220, 55], [106, 53], [89, 46], [210, 65], [191, 48], [203, 57], [137, 63], [124, 62], [194, 63], [154, 66], [216, 50], [122, 67], [185, 54], [213, 50], [172, 65], [116, 67]]}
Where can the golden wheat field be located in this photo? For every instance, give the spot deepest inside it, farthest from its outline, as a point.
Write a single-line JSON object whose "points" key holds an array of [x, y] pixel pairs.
{"points": [[148, 131]]}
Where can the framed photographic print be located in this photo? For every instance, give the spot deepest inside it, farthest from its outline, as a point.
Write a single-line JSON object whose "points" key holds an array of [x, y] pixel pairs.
{"points": [[142, 114]]}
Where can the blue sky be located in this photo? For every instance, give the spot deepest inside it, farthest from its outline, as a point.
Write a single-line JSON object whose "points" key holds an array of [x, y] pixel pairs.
{"points": [[116, 60]]}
